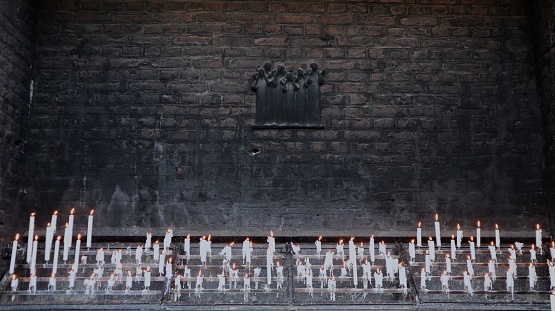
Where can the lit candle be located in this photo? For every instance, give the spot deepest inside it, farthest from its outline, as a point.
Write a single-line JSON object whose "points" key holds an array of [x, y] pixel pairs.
{"points": [[382, 248], [77, 249], [472, 248], [459, 236], [67, 242], [48, 242], [339, 251], [14, 283], [169, 272], [497, 237], [14, 254], [447, 263], [492, 252], [419, 235], [539, 237], [89, 229], [372, 250], [453, 248], [156, 253], [56, 255], [431, 248], [438, 232], [318, 246], [469, 266], [532, 276], [533, 254], [34, 255], [70, 223], [30, 234], [147, 278], [272, 242], [53, 221], [478, 235], [412, 250]]}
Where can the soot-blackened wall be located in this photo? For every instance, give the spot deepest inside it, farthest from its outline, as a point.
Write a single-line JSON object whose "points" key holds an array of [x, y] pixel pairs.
{"points": [[17, 26], [143, 111]]}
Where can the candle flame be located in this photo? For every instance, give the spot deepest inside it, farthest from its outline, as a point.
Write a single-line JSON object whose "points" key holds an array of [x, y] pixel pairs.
{"points": [[491, 243], [79, 236], [437, 217], [430, 238], [36, 237], [458, 227], [340, 242], [538, 227], [55, 212], [452, 236], [533, 246], [33, 214], [92, 212], [478, 224], [48, 224], [13, 276], [471, 238], [59, 238], [320, 238], [446, 255], [271, 233], [419, 224], [468, 257], [72, 210], [17, 237], [412, 241], [67, 225], [496, 227]]}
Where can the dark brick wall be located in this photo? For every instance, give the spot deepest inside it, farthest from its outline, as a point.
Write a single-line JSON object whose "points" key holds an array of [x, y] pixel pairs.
{"points": [[17, 26], [543, 21], [143, 111]]}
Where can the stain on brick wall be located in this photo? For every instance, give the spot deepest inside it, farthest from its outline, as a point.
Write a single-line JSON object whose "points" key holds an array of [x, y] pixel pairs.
{"points": [[143, 111], [17, 26]]}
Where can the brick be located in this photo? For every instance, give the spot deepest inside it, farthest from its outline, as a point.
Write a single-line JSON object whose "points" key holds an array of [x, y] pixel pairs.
{"points": [[419, 21], [251, 18], [294, 19], [270, 41], [256, 7], [335, 19], [191, 40], [212, 17]]}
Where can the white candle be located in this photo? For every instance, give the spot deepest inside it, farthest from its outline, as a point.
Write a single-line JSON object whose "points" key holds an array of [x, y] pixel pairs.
{"points": [[438, 232], [459, 236], [70, 222], [67, 242], [539, 236], [14, 283], [14, 254], [432, 250], [412, 250], [156, 253], [419, 235], [30, 234], [77, 249], [533, 254], [472, 249], [492, 252], [478, 235], [53, 221], [187, 246], [447, 263], [148, 242], [56, 255], [318, 246], [272, 242], [497, 237], [491, 269], [469, 266], [89, 229], [48, 242], [428, 262], [34, 255], [552, 300], [371, 248], [169, 272], [453, 248], [269, 264]]}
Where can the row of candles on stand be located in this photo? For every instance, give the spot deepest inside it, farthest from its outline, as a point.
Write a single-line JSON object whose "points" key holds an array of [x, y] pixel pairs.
{"points": [[205, 245]]}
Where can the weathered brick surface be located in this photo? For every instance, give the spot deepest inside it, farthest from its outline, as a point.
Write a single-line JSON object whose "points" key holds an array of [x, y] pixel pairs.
{"points": [[143, 111], [543, 19], [16, 48]]}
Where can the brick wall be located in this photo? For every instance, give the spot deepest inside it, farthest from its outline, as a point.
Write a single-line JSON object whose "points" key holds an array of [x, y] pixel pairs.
{"points": [[543, 21], [16, 48], [143, 111]]}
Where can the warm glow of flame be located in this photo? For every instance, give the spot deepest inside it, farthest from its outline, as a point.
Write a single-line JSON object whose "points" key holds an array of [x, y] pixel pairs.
{"points": [[538, 227], [458, 227], [55, 212], [430, 238], [92, 212], [17, 237], [452, 236], [67, 225], [478, 224], [412, 241], [340, 241], [496, 227], [419, 224], [271, 233], [472, 238], [59, 238], [36, 237], [437, 217], [79, 236], [320, 238], [72, 210], [48, 224], [533, 246]]}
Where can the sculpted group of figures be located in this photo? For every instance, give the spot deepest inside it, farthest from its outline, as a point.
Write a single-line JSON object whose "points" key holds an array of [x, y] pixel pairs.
{"points": [[288, 98]]}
